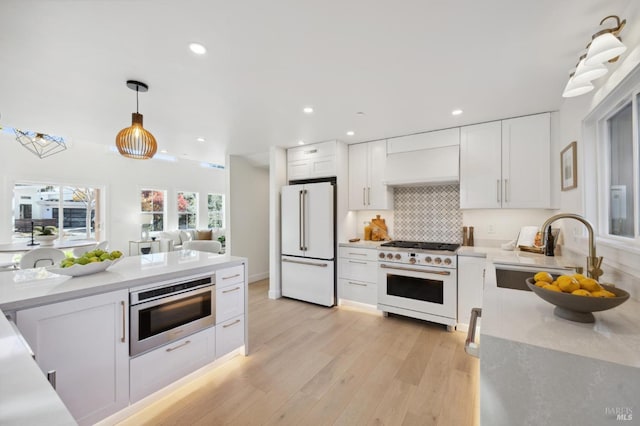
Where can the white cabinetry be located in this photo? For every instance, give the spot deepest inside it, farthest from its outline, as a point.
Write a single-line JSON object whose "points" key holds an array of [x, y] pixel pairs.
{"points": [[357, 275], [366, 174], [470, 286], [506, 164], [230, 309], [430, 157], [312, 161], [83, 343]]}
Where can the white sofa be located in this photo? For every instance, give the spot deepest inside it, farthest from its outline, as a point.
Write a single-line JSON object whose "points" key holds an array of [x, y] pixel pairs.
{"points": [[175, 240]]}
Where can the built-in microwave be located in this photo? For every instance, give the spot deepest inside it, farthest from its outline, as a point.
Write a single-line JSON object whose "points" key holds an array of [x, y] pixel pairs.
{"points": [[166, 313]]}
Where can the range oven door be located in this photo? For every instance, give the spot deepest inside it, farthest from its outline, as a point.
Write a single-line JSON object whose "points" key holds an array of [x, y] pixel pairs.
{"points": [[163, 320], [418, 288]]}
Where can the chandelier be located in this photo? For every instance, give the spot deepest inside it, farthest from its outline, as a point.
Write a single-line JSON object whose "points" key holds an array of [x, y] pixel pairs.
{"points": [[40, 144]]}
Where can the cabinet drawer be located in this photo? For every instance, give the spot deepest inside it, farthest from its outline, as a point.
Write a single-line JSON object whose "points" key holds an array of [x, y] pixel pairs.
{"points": [[229, 276], [358, 291], [229, 335], [156, 369], [358, 253], [360, 270], [229, 302], [325, 149]]}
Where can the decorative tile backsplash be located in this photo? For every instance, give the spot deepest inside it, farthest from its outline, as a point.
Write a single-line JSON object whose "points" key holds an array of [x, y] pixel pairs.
{"points": [[428, 213]]}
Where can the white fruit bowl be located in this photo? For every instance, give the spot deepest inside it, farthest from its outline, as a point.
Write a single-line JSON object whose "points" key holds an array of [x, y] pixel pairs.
{"points": [[79, 270]]}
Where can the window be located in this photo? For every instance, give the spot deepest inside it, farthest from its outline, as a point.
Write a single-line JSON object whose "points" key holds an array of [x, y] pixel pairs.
{"points": [[71, 210], [215, 205], [187, 210], [152, 209], [620, 189]]}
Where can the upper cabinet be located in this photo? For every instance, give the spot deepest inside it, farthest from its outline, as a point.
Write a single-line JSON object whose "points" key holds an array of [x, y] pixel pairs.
{"points": [[312, 161], [366, 173], [423, 158], [506, 164]]}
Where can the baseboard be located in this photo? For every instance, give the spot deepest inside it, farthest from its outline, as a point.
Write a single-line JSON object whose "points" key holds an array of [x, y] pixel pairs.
{"points": [[258, 277]]}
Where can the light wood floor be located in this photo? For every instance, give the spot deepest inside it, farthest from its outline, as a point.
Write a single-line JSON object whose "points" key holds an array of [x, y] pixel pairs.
{"points": [[310, 365]]}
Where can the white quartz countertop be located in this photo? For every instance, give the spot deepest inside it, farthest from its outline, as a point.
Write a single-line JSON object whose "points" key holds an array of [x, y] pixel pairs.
{"points": [[32, 287], [362, 244], [521, 316]]}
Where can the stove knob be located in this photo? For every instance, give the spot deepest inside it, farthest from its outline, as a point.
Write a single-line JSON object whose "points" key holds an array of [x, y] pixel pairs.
{"points": [[447, 261], [389, 256], [412, 260], [381, 255], [428, 259], [437, 261], [397, 256]]}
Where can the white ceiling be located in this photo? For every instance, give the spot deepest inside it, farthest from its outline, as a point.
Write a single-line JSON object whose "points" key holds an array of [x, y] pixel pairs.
{"points": [[405, 64]]}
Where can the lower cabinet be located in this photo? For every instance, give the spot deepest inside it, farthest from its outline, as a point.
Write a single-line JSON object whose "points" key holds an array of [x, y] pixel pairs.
{"points": [[470, 286], [82, 345], [156, 369], [229, 335], [357, 275]]}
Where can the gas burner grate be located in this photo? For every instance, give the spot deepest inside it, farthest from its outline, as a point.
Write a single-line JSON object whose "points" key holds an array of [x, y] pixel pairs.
{"points": [[421, 245]]}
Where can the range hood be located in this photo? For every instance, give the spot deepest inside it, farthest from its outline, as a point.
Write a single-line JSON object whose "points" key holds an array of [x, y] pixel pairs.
{"points": [[436, 166]]}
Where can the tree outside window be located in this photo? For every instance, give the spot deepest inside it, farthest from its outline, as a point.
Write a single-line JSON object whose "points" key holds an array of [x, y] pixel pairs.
{"points": [[215, 204], [152, 204], [187, 210]]}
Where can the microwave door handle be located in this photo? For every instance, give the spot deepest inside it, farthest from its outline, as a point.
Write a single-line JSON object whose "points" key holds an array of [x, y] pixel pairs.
{"points": [[470, 345]]}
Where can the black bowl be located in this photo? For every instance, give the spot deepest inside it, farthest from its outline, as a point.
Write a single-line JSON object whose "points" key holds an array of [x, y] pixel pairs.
{"points": [[578, 308]]}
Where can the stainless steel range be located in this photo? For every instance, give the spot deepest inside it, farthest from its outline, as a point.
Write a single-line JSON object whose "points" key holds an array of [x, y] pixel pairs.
{"points": [[419, 280]]}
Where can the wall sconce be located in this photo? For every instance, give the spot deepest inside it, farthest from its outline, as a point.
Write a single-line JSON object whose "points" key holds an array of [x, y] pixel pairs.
{"points": [[40, 144], [605, 46]]}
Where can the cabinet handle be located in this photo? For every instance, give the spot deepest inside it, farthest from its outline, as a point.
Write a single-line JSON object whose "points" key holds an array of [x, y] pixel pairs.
{"points": [[369, 196], [358, 262], [231, 276], [124, 317], [498, 190], [51, 377], [233, 323], [358, 254], [229, 291], [179, 346], [354, 283], [364, 196], [506, 190], [471, 333]]}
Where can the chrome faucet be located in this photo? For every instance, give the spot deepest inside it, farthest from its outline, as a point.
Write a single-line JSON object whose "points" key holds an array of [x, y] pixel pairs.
{"points": [[593, 262]]}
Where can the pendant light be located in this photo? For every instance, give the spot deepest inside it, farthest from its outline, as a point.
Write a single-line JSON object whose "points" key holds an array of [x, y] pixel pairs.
{"points": [[574, 88], [586, 73], [606, 45], [135, 141]]}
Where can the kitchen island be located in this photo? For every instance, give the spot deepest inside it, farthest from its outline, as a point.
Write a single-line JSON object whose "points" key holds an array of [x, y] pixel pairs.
{"points": [[25, 395], [536, 368]]}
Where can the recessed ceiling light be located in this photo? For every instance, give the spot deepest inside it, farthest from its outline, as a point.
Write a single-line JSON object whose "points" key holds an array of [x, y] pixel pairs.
{"points": [[197, 48], [351, 133], [456, 112], [300, 142], [163, 151], [307, 110], [200, 139]]}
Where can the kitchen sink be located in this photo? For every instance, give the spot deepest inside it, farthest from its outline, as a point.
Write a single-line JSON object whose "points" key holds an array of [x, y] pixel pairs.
{"points": [[514, 276]]}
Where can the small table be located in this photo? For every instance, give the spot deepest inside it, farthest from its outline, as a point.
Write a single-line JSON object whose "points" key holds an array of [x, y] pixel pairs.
{"points": [[136, 246]]}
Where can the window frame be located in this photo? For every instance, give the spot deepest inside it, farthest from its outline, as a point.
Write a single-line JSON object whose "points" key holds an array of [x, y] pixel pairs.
{"points": [[221, 211], [164, 207], [195, 209]]}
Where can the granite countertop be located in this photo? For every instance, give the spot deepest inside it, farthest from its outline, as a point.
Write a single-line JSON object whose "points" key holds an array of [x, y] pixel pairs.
{"points": [[32, 287]]}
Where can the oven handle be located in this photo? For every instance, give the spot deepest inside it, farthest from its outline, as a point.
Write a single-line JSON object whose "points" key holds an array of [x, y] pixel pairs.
{"points": [[470, 345], [424, 271]]}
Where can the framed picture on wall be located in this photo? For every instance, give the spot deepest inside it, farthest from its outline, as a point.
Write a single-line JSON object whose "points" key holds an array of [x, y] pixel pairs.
{"points": [[569, 167]]}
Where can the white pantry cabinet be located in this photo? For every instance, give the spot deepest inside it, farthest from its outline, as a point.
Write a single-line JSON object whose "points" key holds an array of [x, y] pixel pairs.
{"points": [[366, 174], [83, 346], [312, 161], [470, 286], [357, 275], [506, 164]]}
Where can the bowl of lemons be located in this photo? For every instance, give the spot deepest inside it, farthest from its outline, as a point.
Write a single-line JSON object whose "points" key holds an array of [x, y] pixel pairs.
{"points": [[576, 296], [89, 263]]}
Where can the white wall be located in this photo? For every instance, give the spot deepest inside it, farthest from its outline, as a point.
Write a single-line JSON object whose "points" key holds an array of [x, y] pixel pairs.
{"points": [[95, 165], [249, 207]]}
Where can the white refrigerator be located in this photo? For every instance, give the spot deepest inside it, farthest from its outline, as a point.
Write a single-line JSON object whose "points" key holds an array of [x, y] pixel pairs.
{"points": [[308, 247]]}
